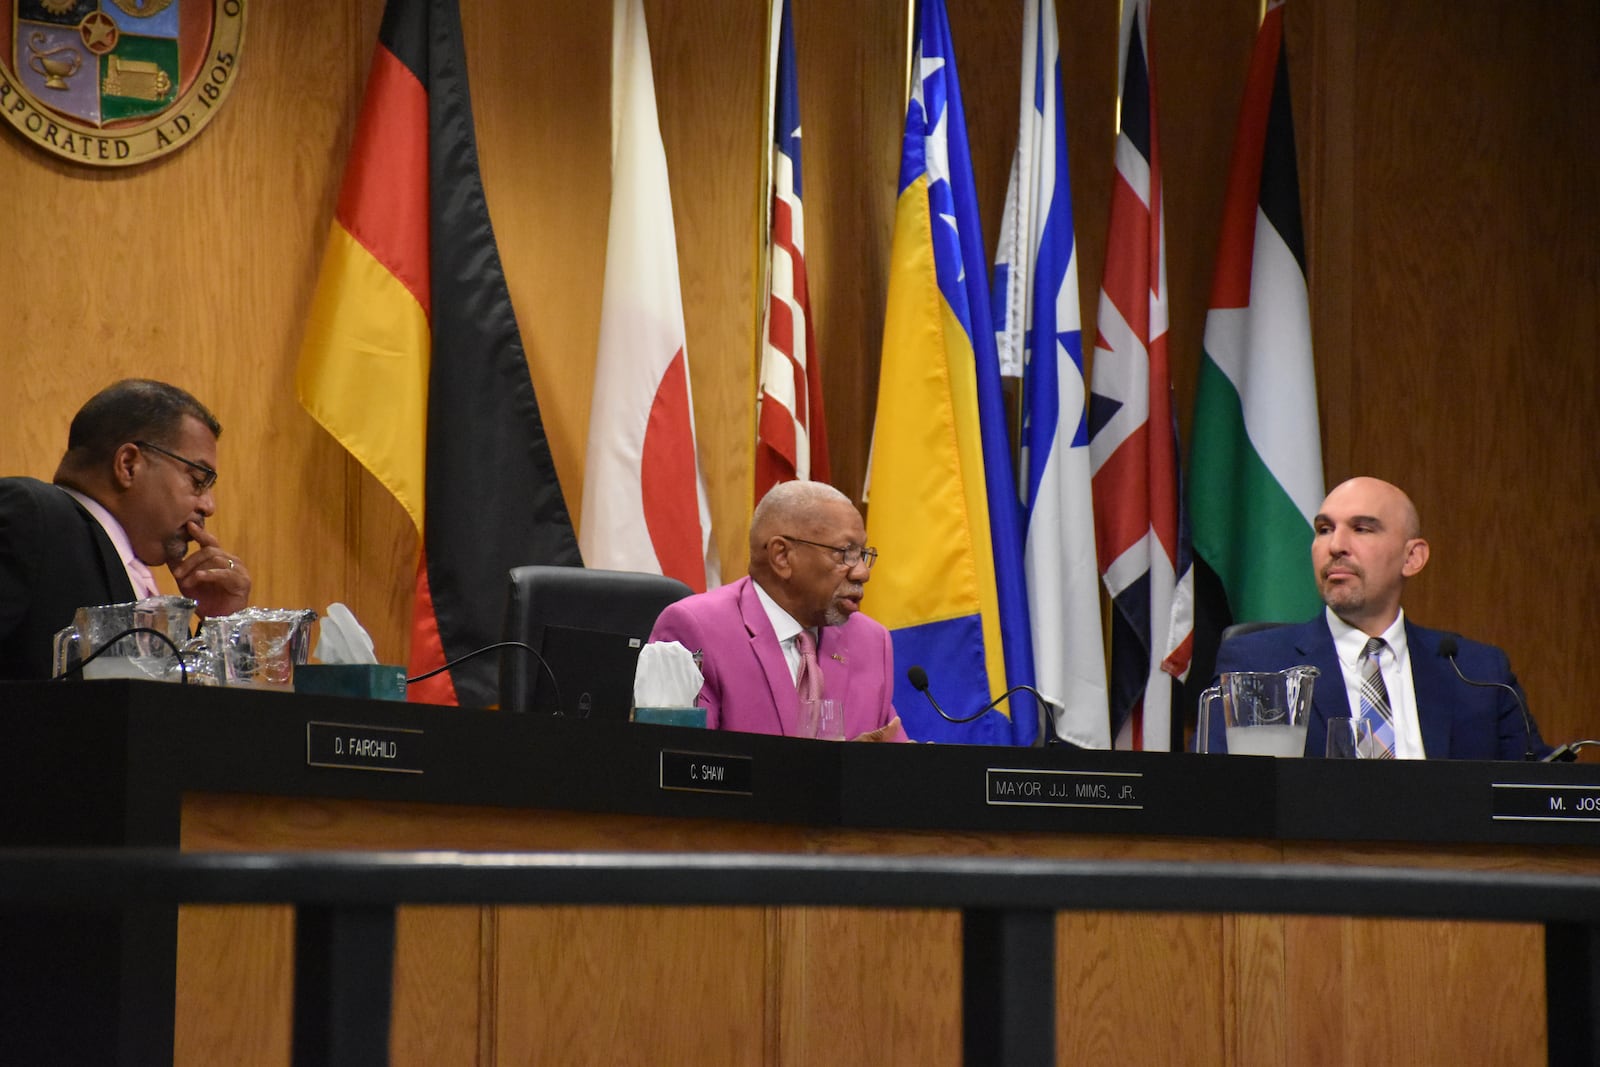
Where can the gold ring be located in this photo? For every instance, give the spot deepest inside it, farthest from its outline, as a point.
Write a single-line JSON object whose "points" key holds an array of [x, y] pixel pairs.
{"points": [[230, 564]]}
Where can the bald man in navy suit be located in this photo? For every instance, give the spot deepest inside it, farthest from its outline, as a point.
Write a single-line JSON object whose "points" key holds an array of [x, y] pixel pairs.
{"points": [[1367, 543]]}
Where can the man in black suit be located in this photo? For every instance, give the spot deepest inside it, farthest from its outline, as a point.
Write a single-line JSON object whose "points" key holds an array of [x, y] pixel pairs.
{"points": [[132, 491], [1367, 543]]}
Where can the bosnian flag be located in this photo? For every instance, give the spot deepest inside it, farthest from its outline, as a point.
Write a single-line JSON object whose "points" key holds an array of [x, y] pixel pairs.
{"points": [[791, 432], [1255, 465], [644, 497], [1133, 444], [1039, 324], [944, 504]]}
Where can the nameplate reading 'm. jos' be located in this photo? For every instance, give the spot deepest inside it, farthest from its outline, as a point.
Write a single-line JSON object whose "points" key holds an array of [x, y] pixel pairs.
{"points": [[1013, 786], [1527, 802], [707, 772], [363, 748]]}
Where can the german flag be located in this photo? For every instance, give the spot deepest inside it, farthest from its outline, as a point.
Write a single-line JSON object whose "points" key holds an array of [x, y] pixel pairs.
{"points": [[412, 358]]}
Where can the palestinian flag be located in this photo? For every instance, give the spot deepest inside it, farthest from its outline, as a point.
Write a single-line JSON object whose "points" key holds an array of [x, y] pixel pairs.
{"points": [[412, 358], [1255, 466]]}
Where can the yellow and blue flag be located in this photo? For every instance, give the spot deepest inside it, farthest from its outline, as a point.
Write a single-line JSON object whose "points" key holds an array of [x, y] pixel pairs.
{"points": [[944, 511]]}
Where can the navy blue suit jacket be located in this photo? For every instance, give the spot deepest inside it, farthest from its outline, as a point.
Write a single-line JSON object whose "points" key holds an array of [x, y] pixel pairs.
{"points": [[55, 558], [1459, 721]]}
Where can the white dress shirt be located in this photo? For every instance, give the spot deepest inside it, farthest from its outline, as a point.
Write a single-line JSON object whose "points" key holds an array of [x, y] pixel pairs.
{"points": [[138, 574], [1394, 662], [787, 627]]}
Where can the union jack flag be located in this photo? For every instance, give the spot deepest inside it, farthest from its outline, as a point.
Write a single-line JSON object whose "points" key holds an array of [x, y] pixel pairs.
{"points": [[791, 432], [1140, 533]]}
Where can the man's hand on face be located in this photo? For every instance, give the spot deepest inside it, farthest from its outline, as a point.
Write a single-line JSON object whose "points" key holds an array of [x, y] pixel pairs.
{"points": [[218, 583]]}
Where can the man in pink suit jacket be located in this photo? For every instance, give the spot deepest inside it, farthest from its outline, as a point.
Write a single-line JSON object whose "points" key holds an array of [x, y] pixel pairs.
{"points": [[808, 564]]}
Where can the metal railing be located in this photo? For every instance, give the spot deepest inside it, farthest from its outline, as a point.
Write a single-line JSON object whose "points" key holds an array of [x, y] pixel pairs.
{"points": [[345, 905]]}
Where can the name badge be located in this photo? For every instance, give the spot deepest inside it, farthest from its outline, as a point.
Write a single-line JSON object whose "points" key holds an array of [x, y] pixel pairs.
{"points": [[363, 748], [1520, 802], [705, 772], [1021, 787]]}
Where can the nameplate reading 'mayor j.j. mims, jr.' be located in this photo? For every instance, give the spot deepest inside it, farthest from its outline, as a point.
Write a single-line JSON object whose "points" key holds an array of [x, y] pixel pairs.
{"points": [[707, 772], [363, 748], [1025, 787]]}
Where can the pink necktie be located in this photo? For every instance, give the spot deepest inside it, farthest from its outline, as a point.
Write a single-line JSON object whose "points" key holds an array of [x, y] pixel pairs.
{"points": [[144, 583], [809, 681]]}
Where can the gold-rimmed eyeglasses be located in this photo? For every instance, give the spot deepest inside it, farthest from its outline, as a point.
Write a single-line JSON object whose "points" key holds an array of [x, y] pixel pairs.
{"points": [[844, 555]]}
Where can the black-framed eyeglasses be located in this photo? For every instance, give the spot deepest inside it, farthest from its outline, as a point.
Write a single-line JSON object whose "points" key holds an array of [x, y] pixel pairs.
{"points": [[204, 477], [846, 555]]}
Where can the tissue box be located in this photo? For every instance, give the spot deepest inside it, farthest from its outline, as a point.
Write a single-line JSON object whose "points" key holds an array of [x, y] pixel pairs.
{"points": [[671, 716], [370, 681]]}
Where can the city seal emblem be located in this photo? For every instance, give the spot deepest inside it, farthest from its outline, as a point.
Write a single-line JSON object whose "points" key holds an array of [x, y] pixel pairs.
{"points": [[113, 83]]}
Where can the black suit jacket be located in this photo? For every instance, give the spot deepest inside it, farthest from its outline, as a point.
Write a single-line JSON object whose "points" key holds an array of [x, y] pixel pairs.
{"points": [[54, 559], [1457, 720]]}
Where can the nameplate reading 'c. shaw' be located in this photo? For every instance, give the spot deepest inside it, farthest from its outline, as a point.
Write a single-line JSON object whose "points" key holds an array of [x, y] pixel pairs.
{"points": [[1023, 787], [707, 772], [363, 748], [1526, 802]]}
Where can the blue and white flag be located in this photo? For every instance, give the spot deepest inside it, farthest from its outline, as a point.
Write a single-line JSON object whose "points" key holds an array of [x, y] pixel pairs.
{"points": [[1039, 338]]}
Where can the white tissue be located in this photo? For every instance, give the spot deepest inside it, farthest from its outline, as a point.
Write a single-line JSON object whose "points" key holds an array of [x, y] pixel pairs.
{"points": [[666, 677], [342, 640]]}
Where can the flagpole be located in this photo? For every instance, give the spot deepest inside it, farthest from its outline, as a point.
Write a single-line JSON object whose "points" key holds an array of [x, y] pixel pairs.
{"points": [[763, 235], [911, 47]]}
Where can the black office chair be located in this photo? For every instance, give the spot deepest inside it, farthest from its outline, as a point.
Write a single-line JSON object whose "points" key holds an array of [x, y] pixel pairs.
{"points": [[1239, 629], [574, 598]]}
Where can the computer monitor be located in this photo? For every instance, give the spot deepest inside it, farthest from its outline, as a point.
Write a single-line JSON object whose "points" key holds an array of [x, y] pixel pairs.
{"points": [[590, 673]]}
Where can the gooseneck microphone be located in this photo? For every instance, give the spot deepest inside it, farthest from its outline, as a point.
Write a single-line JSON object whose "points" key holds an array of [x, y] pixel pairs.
{"points": [[919, 681], [1448, 648], [1568, 752]]}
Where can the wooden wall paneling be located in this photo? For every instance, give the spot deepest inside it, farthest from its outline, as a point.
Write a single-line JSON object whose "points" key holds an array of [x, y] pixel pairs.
{"points": [[1321, 42], [541, 95], [851, 68], [440, 1013], [858, 986], [1256, 1013], [1476, 354], [1202, 53], [710, 71], [1109, 967], [631, 985], [235, 987]]}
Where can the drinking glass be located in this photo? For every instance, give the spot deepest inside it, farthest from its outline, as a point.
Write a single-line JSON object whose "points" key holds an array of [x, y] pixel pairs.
{"points": [[1350, 737]]}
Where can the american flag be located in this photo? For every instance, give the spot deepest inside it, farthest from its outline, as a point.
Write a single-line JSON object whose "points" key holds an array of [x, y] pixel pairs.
{"points": [[1133, 440], [791, 433]]}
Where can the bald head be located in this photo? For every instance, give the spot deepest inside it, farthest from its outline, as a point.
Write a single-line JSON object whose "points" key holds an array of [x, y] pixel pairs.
{"points": [[1367, 541], [792, 507], [1377, 494], [795, 533]]}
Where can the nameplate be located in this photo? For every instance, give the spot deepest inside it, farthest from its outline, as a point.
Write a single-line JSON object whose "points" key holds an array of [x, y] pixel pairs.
{"points": [[1021, 787], [1522, 802], [363, 748], [706, 772]]}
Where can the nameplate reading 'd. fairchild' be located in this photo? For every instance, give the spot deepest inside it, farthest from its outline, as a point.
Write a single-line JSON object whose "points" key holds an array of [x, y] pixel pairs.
{"points": [[363, 748], [1022, 787], [1525, 802], [707, 772]]}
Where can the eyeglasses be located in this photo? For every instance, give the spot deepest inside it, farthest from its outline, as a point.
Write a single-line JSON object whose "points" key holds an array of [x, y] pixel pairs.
{"points": [[205, 477], [845, 555]]}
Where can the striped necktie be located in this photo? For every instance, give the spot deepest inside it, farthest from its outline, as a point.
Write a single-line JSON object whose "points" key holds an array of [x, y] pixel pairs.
{"points": [[1375, 699]]}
